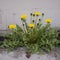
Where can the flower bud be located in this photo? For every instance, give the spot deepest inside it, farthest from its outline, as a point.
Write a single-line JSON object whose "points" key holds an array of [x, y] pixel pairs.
{"points": [[39, 19], [31, 14], [37, 23], [33, 21], [23, 24], [42, 14]]}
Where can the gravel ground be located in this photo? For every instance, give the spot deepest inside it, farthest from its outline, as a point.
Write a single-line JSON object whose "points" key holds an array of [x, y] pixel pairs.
{"points": [[19, 54]]}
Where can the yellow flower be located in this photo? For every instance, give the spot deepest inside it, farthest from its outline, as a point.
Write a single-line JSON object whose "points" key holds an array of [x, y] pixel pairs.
{"points": [[12, 26], [31, 25], [37, 13], [24, 16], [48, 20]]}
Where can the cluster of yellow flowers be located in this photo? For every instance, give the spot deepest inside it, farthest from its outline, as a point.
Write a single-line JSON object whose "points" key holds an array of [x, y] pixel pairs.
{"points": [[37, 13], [12, 26], [31, 25], [24, 16], [48, 20]]}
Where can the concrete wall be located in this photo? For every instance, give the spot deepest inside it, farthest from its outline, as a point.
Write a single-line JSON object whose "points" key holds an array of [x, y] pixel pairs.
{"points": [[10, 10]]}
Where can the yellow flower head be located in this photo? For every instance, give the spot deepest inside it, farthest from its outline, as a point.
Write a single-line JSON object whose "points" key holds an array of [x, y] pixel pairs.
{"points": [[24, 16], [37, 13], [12, 26], [31, 25], [48, 20]]}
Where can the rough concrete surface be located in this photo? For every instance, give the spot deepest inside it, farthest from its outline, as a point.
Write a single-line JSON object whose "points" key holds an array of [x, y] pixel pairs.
{"points": [[19, 54]]}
